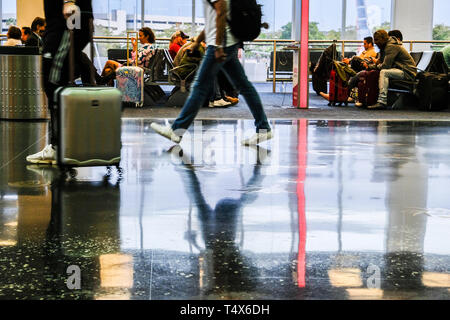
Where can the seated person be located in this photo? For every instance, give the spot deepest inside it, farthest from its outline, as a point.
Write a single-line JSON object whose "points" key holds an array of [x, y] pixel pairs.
{"points": [[14, 37], [26, 32], [37, 31], [369, 59], [186, 61], [396, 63], [396, 33], [177, 40], [369, 53], [143, 54]]}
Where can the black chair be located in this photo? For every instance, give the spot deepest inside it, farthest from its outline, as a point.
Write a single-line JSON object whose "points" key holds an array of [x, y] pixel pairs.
{"points": [[424, 62], [119, 55], [158, 71], [284, 66]]}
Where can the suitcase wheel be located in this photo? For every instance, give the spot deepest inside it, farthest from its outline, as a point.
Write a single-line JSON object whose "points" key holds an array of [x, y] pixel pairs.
{"points": [[73, 173], [119, 171]]}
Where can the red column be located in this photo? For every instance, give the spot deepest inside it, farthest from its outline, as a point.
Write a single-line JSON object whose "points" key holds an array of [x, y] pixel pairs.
{"points": [[301, 61], [304, 56]]}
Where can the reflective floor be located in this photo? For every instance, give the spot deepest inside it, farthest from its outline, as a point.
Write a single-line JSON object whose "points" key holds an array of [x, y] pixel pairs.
{"points": [[327, 210]]}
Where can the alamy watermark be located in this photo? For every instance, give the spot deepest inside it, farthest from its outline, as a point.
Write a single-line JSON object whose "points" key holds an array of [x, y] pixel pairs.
{"points": [[74, 280]]}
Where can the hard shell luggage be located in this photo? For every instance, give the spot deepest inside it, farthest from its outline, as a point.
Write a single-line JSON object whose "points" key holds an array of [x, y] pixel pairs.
{"points": [[90, 126], [368, 89], [130, 81], [432, 91], [338, 90], [89, 123]]}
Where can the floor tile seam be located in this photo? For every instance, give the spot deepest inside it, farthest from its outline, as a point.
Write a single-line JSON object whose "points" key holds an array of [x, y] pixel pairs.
{"points": [[307, 118]]}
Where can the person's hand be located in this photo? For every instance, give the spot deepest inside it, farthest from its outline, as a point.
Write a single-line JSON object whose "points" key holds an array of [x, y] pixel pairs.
{"points": [[69, 9], [220, 54], [135, 44], [346, 60]]}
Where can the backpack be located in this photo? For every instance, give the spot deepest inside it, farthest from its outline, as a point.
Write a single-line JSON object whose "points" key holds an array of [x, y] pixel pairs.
{"points": [[245, 19]]}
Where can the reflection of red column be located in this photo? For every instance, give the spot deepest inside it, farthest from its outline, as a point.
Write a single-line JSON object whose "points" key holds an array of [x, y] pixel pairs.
{"points": [[302, 150]]}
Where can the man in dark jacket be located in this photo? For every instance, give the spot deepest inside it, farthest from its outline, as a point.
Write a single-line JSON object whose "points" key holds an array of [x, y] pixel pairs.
{"points": [[395, 63], [35, 38]]}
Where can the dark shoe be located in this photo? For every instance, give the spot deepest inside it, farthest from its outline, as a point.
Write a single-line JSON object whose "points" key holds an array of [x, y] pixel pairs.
{"points": [[377, 106]]}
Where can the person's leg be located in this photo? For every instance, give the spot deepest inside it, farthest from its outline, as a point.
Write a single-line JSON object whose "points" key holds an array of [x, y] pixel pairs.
{"points": [[353, 82], [200, 90], [55, 30], [385, 76], [237, 75]]}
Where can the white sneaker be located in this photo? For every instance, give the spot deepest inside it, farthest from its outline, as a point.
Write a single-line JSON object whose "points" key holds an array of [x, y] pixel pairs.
{"points": [[166, 132], [257, 138], [211, 104], [46, 156], [221, 103]]}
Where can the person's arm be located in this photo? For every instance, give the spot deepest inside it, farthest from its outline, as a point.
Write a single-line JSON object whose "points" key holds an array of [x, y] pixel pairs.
{"points": [[221, 21], [389, 59], [194, 45], [69, 8]]}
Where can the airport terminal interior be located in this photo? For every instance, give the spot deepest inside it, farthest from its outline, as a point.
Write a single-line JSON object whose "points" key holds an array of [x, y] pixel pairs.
{"points": [[344, 203]]}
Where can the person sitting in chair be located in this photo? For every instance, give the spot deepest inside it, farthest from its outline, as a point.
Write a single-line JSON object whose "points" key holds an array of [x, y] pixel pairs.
{"points": [[142, 54], [14, 34], [177, 41]]}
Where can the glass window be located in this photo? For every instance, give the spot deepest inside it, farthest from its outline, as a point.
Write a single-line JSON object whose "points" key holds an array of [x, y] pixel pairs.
{"points": [[8, 15], [278, 14], [348, 19], [441, 20], [169, 16]]}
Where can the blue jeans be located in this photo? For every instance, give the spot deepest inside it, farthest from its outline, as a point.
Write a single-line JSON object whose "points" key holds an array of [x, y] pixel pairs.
{"points": [[385, 76], [204, 83]]}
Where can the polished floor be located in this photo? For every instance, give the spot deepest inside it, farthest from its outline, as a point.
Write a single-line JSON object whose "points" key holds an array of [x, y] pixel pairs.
{"points": [[327, 210]]}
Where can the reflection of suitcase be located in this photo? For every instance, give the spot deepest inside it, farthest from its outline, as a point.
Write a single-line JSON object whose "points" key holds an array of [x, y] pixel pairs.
{"points": [[368, 87], [338, 90], [130, 81], [85, 219]]}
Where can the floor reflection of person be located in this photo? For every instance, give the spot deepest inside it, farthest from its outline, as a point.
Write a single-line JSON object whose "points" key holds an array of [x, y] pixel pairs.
{"points": [[406, 202], [226, 270]]}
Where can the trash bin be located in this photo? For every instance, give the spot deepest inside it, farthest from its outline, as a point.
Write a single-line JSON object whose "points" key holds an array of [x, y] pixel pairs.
{"points": [[22, 96]]}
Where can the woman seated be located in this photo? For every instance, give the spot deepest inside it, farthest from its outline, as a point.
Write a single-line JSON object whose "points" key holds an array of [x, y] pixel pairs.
{"points": [[142, 54], [14, 37]]}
